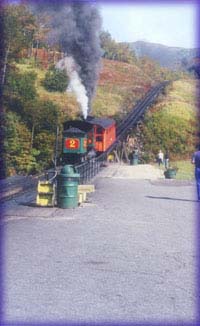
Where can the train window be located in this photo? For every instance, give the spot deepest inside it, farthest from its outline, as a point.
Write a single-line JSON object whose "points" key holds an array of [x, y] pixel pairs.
{"points": [[99, 138]]}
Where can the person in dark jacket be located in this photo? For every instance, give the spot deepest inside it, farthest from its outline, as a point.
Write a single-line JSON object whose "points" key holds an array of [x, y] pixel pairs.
{"points": [[166, 159], [196, 162]]}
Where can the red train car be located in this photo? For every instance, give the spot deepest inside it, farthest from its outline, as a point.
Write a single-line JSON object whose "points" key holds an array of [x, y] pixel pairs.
{"points": [[104, 133]]}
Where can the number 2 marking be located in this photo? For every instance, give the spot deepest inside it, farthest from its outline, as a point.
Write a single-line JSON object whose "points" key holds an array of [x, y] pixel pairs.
{"points": [[72, 143]]}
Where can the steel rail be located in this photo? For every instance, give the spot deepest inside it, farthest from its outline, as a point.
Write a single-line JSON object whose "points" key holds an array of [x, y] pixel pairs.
{"points": [[142, 105]]}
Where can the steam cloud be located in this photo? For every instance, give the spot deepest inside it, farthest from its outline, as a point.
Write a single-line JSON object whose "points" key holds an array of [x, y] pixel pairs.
{"points": [[68, 64], [75, 26]]}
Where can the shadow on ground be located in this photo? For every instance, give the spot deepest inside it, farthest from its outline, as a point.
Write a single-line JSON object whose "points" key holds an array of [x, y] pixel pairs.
{"points": [[170, 198]]}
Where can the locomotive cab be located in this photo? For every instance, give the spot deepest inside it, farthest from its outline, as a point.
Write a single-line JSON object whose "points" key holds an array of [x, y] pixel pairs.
{"points": [[75, 141], [74, 145]]}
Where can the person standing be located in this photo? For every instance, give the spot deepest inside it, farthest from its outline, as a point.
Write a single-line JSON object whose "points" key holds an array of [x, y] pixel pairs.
{"points": [[91, 154], [160, 157], [166, 159], [196, 162]]}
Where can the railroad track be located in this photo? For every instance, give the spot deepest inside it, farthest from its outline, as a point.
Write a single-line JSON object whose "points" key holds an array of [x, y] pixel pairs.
{"points": [[138, 111], [90, 168]]}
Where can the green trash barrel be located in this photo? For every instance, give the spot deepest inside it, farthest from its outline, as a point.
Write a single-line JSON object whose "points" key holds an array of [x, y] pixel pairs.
{"points": [[67, 187], [170, 174], [134, 160]]}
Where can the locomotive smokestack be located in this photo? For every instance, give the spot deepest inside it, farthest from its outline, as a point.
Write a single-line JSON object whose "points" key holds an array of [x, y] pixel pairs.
{"points": [[76, 27]]}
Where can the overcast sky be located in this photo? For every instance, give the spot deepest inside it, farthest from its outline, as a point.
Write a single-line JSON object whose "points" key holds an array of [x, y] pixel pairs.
{"points": [[168, 24]]}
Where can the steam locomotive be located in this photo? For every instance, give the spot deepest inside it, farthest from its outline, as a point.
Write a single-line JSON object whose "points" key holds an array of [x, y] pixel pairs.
{"points": [[82, 138]]}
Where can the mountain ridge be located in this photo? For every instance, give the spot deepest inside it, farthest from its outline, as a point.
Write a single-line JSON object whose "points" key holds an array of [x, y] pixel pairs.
{"points": [[175, 58]]}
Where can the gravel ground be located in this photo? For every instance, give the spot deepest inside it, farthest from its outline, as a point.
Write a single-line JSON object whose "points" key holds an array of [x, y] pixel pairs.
{"points": [[128, 254]]}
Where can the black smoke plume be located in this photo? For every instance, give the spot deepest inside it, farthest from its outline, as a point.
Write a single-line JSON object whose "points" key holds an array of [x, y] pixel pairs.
{"points": [[75, 26]]}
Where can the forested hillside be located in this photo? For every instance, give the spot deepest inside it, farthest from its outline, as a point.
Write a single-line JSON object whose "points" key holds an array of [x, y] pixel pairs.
{"points": [[35, 100], [172, 124]]}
